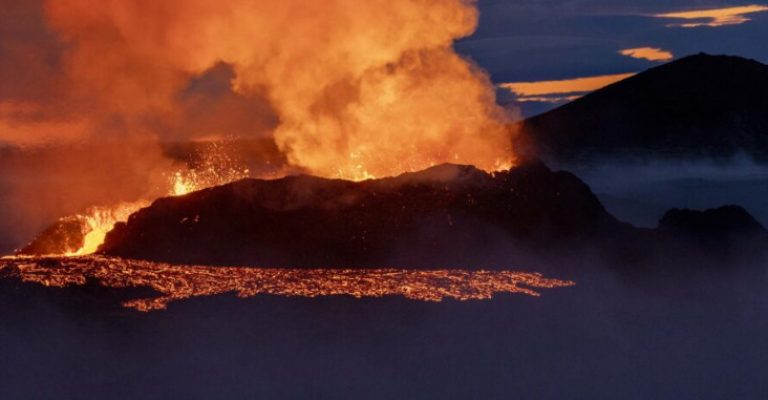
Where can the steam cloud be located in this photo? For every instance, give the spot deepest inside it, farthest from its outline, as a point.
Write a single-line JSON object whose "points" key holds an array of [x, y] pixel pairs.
{"points": [[345, 88], [94, 92]]}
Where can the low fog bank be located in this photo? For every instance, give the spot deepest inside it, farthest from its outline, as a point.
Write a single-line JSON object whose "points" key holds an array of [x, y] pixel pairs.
{"points": [[640, 190], [611, 336]]}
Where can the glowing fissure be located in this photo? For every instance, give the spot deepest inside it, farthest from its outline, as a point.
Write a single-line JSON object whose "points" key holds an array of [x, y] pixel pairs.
{"points": [[177, 282], [100, 220], [214, 169]]}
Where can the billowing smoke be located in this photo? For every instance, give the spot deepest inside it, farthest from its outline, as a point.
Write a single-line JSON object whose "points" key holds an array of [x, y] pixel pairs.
{"points": [[338, 88], [355, 88]]}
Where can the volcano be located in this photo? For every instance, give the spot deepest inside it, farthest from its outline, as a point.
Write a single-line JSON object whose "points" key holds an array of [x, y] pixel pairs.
{"points": [[697, 106], [448, 216], [428, 217]]}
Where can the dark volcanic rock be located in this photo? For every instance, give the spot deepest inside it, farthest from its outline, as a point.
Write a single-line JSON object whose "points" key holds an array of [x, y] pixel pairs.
{"points": [[687, 241], [702, 105], [313, 222], [446, 216], [724, 224]]}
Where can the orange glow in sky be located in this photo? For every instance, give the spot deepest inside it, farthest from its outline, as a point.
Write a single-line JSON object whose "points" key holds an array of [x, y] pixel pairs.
{"points": [[713, 17], [648, 53], [568, 89]]}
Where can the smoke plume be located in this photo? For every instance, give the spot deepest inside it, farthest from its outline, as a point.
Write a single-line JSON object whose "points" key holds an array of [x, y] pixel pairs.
{"points": [[98, 95], [351, 88]]}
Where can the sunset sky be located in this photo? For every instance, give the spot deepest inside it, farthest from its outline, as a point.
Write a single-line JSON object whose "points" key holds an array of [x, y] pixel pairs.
{"points": [[559, 40]]}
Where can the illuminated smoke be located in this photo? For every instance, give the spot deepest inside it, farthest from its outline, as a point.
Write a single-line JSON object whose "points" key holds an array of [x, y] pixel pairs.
{"points": [[96, 92], [360, 89]]}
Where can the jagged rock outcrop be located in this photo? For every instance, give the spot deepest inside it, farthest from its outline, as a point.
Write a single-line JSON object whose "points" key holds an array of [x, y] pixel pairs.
{"points": [[308, 221], [445, 216], [725, 223]]}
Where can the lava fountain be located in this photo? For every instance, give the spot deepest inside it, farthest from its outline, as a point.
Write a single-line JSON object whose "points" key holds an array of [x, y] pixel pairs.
{"points": [[99, 220], [356, 90]]}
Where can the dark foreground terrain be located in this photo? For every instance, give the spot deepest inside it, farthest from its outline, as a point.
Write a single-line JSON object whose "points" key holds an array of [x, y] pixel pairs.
{"points": [[673, 312], [694, 336]]}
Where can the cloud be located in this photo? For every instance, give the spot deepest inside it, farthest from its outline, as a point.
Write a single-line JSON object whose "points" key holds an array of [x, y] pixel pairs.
{"points": [[29, 124], [102, 101], [648, 53], [548, 99], [344, 89], [713, 17], [561, 90]]}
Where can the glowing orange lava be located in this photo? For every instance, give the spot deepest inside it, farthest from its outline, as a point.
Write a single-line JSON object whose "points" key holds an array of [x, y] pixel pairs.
{"points": [[178, 282], [215, 169], [100, 220]]}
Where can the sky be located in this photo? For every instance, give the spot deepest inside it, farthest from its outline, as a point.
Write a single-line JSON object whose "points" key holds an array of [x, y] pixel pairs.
{"points": [[554, 40]]}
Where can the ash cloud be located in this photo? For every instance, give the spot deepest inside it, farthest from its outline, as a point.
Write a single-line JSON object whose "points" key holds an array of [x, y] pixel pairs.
{"points": [[338, 88], [343, 88]]}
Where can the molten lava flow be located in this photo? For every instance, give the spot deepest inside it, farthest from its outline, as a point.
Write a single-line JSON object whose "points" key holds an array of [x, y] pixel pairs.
{"points": [[214, 168], [100, 220], [175, 282]]}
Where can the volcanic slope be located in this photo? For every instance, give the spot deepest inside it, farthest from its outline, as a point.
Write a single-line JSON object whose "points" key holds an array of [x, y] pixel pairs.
{"points": [[697, 106], [445, 215]]}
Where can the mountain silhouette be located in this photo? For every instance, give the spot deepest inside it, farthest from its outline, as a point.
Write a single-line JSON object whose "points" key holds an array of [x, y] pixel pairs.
{"points": [[445, 216], [697, 106], [433, 216]]}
